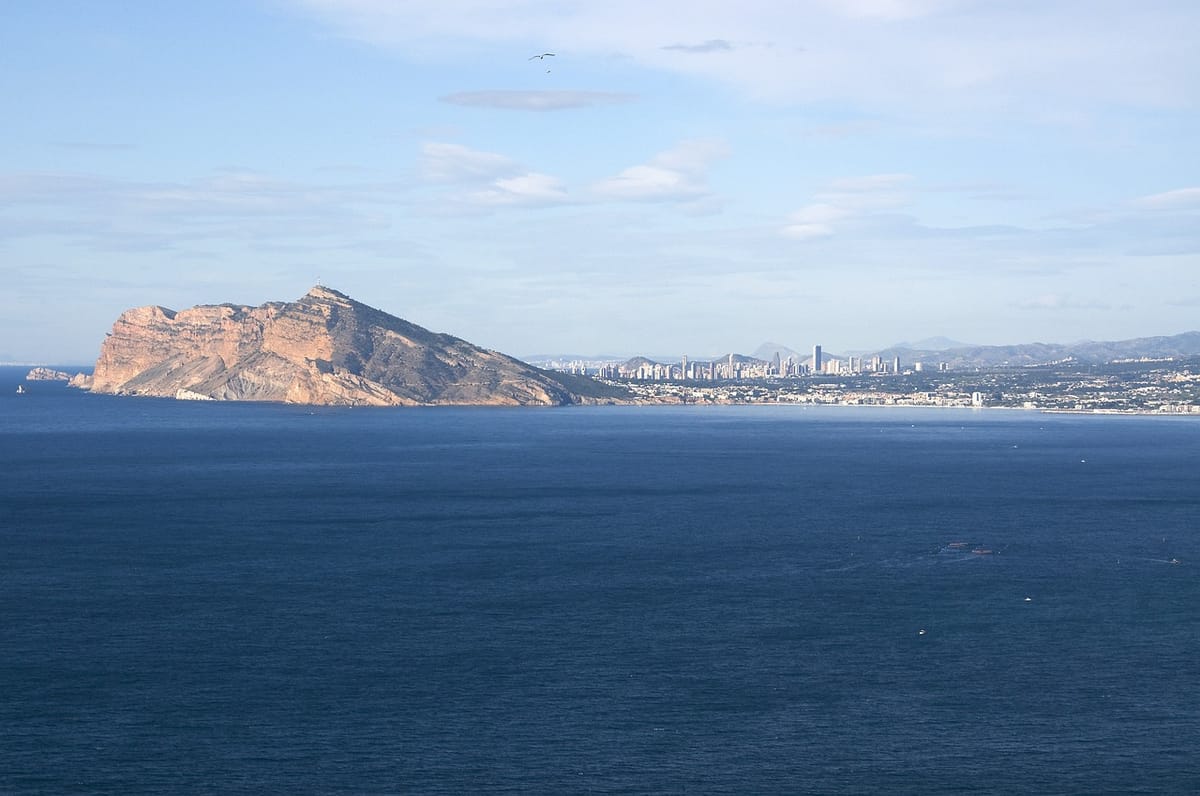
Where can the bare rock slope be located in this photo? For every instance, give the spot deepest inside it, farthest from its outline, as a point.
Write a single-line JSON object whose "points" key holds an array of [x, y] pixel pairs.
{"points": [[325, 349]]}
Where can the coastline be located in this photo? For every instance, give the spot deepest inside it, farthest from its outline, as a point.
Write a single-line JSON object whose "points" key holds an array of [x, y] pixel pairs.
{"points": [[800, 394]]}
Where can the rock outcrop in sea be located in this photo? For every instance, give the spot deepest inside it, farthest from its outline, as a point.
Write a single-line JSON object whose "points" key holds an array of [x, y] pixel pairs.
{"points": [[323, 349], [47, 374]]}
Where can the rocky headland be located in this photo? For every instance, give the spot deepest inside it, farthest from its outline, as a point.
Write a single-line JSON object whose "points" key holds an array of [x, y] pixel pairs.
{"points": [[47, 374], [324, 348]]}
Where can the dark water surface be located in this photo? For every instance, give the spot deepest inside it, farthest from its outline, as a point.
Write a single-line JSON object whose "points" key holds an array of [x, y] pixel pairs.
{"points": [[221, 598]]}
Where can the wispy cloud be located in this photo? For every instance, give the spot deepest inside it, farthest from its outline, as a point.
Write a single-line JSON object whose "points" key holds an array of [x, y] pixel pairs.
{"points": [[92, 146], [964, 55], [890, 9], [537, 100], [1180, 199], [678, 174], [113, 214], [526, 189], [1053, 302], [710, 46], [875, 185], [444, 162], [847, 198], [817, 220], [488, 179], [843, 130]]}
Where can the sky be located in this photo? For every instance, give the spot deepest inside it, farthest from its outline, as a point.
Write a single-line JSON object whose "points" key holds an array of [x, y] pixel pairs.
{"points": [[679, 177]]}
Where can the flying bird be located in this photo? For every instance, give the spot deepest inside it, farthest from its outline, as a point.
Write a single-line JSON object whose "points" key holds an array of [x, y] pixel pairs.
{"points": [[540, 57]]}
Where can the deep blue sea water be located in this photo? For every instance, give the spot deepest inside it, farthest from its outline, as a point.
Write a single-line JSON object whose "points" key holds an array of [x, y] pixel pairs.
{"points": [[239, 598]]}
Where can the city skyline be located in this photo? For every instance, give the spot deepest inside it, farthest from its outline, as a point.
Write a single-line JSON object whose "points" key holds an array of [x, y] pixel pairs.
{"points": [[936, 355], [676, 177]]}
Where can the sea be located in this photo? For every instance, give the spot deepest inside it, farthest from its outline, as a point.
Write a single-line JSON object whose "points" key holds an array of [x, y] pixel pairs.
{"points": [[223, 598]]}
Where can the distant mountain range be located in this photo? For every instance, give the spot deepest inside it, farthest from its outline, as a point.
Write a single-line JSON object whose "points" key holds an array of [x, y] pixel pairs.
{"points": [[1031, 354], [958, 355], [767, 351], [935, 344]]}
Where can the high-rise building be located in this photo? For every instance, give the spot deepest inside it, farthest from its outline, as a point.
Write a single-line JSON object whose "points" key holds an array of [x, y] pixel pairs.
{"points": [[816, 359], [896, 365]]}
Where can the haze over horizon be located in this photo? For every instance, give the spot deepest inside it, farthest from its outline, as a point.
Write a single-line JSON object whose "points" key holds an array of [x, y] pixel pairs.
{"points": [[676, 177]]}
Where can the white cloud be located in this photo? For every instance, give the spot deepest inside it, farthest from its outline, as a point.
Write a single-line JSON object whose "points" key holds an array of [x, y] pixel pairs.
{"points": [[526, 189], [902, 54], [648, 182], [492, 179], [815, 221], [1180, 199], [443, 162], [678, 174], [847, 198], [710, 46]]}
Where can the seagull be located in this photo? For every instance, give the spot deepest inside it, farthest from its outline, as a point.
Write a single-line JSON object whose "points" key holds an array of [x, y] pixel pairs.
{"points": [[540, 57]]}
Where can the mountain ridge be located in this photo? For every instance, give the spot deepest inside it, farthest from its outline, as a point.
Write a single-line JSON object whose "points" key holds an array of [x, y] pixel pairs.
{"points": [[1184, 344]]}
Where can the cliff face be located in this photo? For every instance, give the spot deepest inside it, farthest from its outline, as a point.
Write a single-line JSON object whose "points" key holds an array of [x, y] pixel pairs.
{"points": [[322, 349]]}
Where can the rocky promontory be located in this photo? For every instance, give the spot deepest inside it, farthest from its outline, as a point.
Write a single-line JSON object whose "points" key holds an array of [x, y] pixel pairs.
{"points": [[47, 374], [324, 348]]}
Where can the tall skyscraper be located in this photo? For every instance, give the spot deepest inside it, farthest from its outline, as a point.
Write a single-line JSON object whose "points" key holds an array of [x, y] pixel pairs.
{"points": [[816, 359]]}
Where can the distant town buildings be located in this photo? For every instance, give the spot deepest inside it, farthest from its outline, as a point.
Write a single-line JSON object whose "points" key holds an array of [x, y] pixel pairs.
{"points": [[734, 367], [1160, 385]]}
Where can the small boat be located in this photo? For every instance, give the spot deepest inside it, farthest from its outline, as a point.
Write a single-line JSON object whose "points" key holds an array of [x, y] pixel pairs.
{"points": [[20, 389], [982, 551]]}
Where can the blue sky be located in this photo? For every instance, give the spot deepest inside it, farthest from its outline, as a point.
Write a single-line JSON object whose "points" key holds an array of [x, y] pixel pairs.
{"points": [[680, 177]]}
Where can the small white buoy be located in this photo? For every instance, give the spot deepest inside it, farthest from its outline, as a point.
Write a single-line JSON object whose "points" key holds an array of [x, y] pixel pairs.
{"points": [[921, 632], [1028, 599]]}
